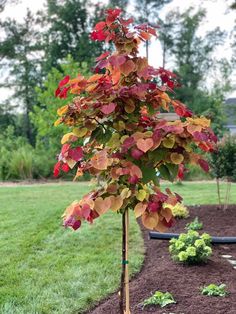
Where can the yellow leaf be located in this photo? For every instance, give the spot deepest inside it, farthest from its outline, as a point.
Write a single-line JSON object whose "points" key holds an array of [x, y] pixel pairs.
{"points": [[67, 137], [114, 141], [57, 122], [176, 158], [62, 110], [139, 209], [141, 195], [119, 126], [129, 108], [125, 193], [169, 142], [80, 132], [71, 163]]}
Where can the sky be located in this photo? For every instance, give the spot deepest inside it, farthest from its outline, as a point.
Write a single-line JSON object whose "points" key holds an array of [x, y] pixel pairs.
{"points": [[217, 15]]}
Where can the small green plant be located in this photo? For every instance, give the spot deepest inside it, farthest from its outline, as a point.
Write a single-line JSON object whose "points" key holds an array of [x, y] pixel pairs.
{"points": [[159, 298], [191, 248], [214, 290], [179, 210], [194, 225]]}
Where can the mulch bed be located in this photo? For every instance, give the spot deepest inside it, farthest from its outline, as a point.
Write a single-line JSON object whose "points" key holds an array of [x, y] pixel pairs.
{"points": [[159, 272]]}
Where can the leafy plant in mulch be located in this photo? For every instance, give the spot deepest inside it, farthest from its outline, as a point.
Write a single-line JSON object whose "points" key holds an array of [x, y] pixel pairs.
{"points": [[127, 143], [196, 224], [159, 298], [214, 290], [191, 248]]}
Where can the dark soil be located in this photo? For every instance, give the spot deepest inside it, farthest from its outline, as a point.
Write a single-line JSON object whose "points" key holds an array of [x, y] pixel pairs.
{"points": [[159, 272]]}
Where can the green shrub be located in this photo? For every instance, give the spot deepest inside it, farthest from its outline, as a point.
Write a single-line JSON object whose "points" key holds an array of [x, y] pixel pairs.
{"points": [[179, 210], [191, 248], [195, 173], [21, 164], [194, 225], [214, 290], [159, 298]]}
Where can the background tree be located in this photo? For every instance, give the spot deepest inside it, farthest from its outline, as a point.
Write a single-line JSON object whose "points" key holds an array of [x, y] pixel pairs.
{"points": [[148, 12], [20, 52], [67, 26]]}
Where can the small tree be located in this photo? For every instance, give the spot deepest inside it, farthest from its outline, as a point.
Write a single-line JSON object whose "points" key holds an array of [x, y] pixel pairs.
{"points": [[223, 165], [126, 142]]}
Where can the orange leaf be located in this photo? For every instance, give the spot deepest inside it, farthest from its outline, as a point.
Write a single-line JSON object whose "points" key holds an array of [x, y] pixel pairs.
{"points": [[62, 110], [145, 35], [160, 227], [167, 213], [102, 205], [145, 144], [100, 160], [139, 209], [94, 78], [150, 220], [127, 67], [135, 171], [116, 202]]}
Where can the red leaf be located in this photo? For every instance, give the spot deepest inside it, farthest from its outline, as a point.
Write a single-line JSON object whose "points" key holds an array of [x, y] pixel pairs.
{"points": [[103, 56], [203, 164], [65, 167], [100, 26], [64, 81], [107, 109], [57, 92], [65, 149], [76, 153], [136, 153], [56, 170]]}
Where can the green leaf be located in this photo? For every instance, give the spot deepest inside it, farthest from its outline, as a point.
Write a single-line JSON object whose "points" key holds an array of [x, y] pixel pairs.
{"points": [[149, 174], [165, 173]]}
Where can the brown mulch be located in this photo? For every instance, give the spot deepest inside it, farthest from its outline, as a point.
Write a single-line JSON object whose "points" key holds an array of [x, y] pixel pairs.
{"points": [[159, 272]]}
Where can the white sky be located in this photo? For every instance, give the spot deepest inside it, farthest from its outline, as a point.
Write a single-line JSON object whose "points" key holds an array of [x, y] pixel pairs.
{"points": [[217, 15]]}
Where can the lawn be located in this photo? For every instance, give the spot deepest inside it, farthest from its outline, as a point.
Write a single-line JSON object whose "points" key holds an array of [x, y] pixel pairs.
{"points": [[47, 269]]}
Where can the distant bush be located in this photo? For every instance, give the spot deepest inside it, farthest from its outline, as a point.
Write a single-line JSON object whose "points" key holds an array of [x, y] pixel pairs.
{"points": [[223, 165], [191, 248], [21, 164], [195, 173]]}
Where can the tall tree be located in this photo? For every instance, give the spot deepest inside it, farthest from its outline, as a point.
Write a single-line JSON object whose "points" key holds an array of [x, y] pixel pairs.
{"points": [[67, 25], [192, 53], [20, 55]]}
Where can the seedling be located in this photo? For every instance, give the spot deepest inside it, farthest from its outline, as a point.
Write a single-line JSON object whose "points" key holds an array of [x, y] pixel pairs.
{"points": [[214, 290], [194, 225], [159, 298]]}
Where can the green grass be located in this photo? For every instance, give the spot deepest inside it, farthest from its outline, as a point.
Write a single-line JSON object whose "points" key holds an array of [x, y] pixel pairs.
{"points": [[47, 269]]}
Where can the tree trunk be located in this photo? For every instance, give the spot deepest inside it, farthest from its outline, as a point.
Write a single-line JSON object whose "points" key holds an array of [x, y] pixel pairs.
{"points": [[218, 191], [124, 279]]}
